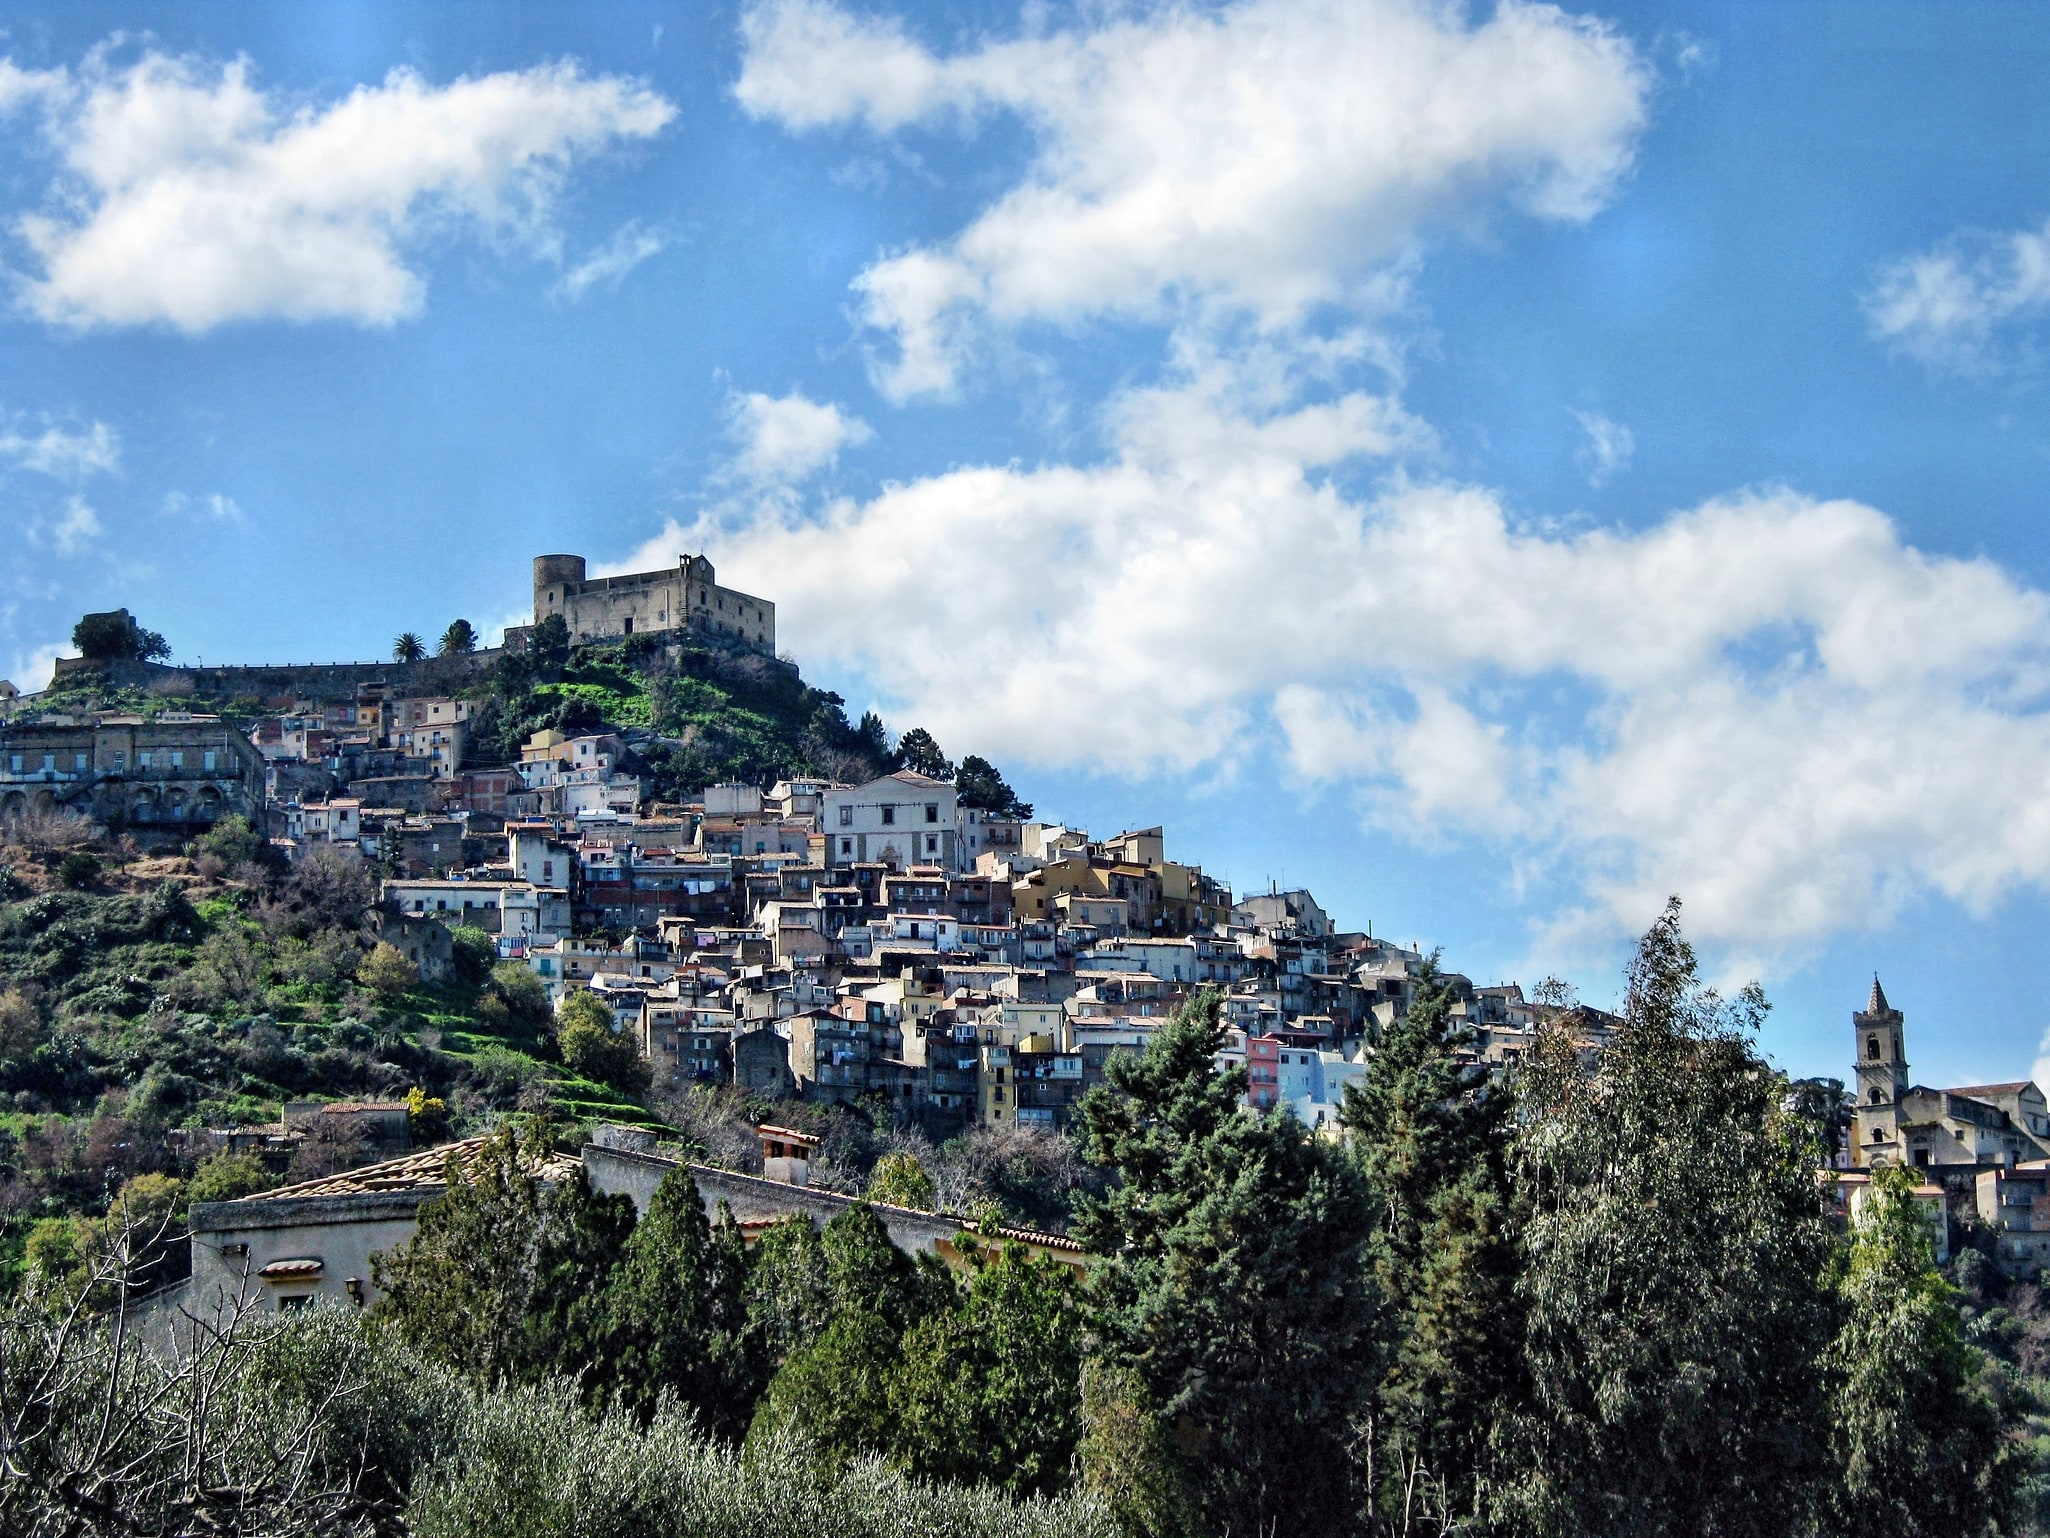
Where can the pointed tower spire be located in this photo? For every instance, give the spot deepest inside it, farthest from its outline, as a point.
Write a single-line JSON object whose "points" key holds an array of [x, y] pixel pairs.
{"points": [[1877, 1006]]}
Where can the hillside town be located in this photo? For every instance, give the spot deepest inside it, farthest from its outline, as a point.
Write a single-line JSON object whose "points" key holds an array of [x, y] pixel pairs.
{"points": [[909, 949], [888, 942], [829, 941]]}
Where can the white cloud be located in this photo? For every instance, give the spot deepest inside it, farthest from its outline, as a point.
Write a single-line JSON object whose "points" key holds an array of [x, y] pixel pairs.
{"points": [[631, 244], [191, 198], [784, 439], [1955, 307], [64, 453], [1768, 703], [34, 669], [1263, 158], [214, 507], [71, 530], [1609, 447]]}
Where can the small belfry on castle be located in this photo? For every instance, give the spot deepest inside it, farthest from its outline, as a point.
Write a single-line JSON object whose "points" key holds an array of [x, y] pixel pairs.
{"points": [[684, 597], [1960, 1131]]}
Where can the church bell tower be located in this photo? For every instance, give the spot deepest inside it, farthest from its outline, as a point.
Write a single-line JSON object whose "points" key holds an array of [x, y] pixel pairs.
{"points": [[1880, 1033]]}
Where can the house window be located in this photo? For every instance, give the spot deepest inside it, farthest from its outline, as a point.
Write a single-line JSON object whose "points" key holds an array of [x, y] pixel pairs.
{"points": [[142, 759], [846, 846], [177, 758], [932, 843], [932, 811], [889, 816], [846, 816], [211, 757], [78, 761]]}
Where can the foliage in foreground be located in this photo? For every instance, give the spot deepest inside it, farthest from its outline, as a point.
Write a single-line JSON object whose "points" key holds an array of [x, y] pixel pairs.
{"points": [[317, 1422]]}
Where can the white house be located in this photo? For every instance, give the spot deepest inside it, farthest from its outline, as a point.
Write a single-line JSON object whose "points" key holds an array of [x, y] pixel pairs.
{"points": [[900, 820]]}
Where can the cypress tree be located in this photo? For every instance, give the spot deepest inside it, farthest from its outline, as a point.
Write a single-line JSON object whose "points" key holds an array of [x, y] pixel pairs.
{"points": [[676, 1312], [1229, 1280], [1430, 1133]]}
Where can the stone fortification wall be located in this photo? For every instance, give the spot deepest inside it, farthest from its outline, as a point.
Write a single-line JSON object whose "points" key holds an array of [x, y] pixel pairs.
{"points": [[325, 682]]}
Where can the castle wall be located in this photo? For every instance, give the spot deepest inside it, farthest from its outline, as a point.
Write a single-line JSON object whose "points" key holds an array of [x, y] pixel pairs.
{"points": [[325, 682]]}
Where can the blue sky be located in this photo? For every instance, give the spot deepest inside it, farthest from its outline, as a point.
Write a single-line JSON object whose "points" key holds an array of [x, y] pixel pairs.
{"points": [[1495, 465]]}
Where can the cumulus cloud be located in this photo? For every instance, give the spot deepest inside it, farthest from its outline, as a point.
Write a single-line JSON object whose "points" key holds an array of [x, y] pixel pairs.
{"points": [[1959, 305], [1768, 702], [1262, 158], [190, 198], [607, 265], [62, 452], [1608, 449], [784, 439]]}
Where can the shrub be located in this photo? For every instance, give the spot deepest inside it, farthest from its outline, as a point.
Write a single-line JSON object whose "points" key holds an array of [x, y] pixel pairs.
{"points": [[601, 1053], [232, 841], [474, 954], [899, 1180], [426, 1115], [228, 1177], [386, 972], [78, 869]]}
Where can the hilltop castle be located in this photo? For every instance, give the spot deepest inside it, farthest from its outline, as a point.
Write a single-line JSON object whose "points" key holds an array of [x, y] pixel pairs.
{"points": [[684, 597]]}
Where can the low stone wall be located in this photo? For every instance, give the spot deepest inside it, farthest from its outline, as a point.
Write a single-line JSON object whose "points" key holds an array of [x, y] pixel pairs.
{"points": [[326, 682]]}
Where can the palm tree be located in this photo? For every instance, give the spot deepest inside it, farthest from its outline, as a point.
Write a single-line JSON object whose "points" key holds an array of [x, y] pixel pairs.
{"points": [[408, 648], [460, 637]]}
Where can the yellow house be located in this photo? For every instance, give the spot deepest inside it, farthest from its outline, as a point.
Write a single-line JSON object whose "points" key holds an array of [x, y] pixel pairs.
{"points": [[543, 747], [1032, 896]]}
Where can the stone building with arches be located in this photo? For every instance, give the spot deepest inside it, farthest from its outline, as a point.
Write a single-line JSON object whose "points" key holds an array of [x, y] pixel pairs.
{"points": [[175, 774]]}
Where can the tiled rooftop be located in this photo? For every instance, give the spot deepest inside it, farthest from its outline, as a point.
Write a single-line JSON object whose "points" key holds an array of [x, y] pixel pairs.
{"points": [[412, 1172]]}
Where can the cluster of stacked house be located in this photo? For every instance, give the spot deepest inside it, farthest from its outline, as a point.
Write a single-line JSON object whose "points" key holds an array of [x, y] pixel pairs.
{"points": [[842, 942]]}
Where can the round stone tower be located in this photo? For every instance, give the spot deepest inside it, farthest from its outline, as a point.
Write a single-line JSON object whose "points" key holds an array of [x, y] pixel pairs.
{"points": [[554, 571]]}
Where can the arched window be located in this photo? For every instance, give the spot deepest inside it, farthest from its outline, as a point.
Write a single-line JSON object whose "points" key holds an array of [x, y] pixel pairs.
{"points": [[1872, 1046], [1878, 1098]]}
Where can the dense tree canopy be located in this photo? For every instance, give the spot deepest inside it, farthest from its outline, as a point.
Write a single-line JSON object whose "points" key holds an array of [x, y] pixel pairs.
{"points": [[918, 752], [1232, 1280], [979, 784], [116, 637]]}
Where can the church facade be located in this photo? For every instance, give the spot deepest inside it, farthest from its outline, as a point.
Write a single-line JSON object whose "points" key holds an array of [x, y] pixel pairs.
{"points": [[1953, 1133]]}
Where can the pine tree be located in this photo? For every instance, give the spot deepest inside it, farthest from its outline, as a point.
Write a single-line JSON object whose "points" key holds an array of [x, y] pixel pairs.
{"points": [[920, 753], [1430, 1134], [987, 1388], [1919, 1449], [676, 1312], [1229, 1279], [1672, 1243], [502, 1278], [835, 1388]]}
